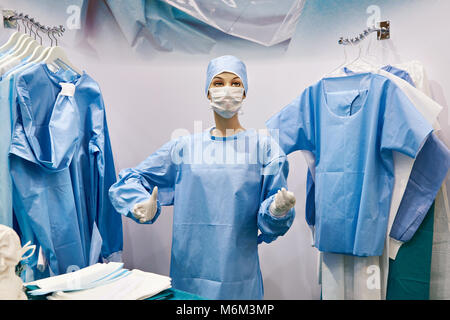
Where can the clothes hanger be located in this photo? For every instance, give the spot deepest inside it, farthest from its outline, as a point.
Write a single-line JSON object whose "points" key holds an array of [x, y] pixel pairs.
{"points": [[371, 62], [13, 39], [31, 46], [46, 51], [383, 32], [341, 65], [29, 40], [11, 42], [357, 57], [28, 48], [39, 49], [24, 40], [57, 55], [360, 64], [40, 52], [19, 42]]}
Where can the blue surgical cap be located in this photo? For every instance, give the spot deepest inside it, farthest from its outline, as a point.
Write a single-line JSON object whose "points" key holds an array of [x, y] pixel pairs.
{"points": [[226, 64]]}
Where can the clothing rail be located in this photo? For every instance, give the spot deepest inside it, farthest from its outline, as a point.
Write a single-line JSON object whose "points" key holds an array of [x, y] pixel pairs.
{"points": [[11, 20], [383, 32]]}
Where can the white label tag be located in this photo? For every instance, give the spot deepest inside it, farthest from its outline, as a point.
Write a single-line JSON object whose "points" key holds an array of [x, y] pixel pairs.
{"points": [[67, 89]]}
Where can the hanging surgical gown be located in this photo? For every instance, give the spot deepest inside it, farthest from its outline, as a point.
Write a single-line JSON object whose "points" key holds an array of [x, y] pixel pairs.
{"points": [[62, 167], [351, 125], [221, 189]]}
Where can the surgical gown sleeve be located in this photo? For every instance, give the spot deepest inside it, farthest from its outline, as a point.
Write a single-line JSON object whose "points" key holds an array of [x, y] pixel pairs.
{"points": [[422, 188], [404, 129], [275, 173], [109, 222], [136, 184], [293, 129], [293, 126]]}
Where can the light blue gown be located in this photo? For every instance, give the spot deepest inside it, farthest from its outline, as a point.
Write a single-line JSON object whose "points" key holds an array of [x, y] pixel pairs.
{"points": [[423, 184], [62, 167], [6, 216], [221, 190], [427, 176], [351, 125], [6, 104]]}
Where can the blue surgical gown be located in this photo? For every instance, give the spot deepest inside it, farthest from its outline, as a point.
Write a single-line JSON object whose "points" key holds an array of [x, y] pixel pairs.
{"points": [[427, 176], [5, 139], [422, 186], [351, 125], [62, 167], [7, 96], [221, 190]]}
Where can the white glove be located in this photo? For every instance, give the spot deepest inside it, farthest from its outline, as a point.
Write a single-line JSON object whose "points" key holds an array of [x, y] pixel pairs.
{"points": [[145, 211], [283, 202]]}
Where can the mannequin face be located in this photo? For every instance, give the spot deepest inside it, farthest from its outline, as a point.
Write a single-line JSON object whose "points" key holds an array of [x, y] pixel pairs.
{"points": [[226, 79]]}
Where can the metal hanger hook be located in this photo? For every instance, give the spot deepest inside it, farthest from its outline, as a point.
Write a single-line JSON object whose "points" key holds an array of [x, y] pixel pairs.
{"points": [[47, 30], [25, 19], [38, 28]]}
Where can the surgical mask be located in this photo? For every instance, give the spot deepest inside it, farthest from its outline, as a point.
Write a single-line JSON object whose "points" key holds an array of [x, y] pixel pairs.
{"points": [[226, 101]]}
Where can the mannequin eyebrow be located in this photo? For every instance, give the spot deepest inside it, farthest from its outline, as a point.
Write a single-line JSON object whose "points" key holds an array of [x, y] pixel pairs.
{"points": [[219, 78]]}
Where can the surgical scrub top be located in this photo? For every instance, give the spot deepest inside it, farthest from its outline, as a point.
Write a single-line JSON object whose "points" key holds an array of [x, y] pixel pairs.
{"points": [[62, 167], [221, 189], [352, 124]]}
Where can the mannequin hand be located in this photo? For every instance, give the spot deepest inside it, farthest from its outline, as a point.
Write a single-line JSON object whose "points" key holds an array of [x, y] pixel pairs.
{"points": [[145, 211], [283, 202]]}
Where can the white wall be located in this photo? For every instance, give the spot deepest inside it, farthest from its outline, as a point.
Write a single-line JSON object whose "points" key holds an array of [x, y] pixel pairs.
{"points": [[147, 101]]}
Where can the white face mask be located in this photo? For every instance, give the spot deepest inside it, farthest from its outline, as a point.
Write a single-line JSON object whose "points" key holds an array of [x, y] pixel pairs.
{"points": [[226, 101]]}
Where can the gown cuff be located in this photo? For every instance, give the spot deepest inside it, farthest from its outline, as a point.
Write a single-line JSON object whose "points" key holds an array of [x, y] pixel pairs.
{"points": [[313, 229], [394, 246]]}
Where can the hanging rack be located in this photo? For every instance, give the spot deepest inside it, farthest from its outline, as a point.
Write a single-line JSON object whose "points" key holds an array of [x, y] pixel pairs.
{"points": [[383, 32], [11, 21]]}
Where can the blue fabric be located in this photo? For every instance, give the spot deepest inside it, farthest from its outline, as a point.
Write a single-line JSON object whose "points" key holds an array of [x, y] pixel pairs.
{"points": [[226, 64], [5, 140], [427, 175], [402, 74], [198, 26], [62, 167], [310, 205], [351, 125], [7, 96], [155, 25], [221, 189], [422, 186]]}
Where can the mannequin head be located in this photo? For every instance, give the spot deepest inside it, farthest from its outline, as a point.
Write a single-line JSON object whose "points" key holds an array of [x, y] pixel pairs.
{"points": [[226, 88]]}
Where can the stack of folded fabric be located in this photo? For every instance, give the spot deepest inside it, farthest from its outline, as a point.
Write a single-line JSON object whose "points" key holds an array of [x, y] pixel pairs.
{"points": [[100, 282]]}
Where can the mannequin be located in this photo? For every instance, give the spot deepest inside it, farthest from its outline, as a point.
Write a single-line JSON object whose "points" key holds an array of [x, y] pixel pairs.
{"points": [[11, 253], [220, 204]]}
